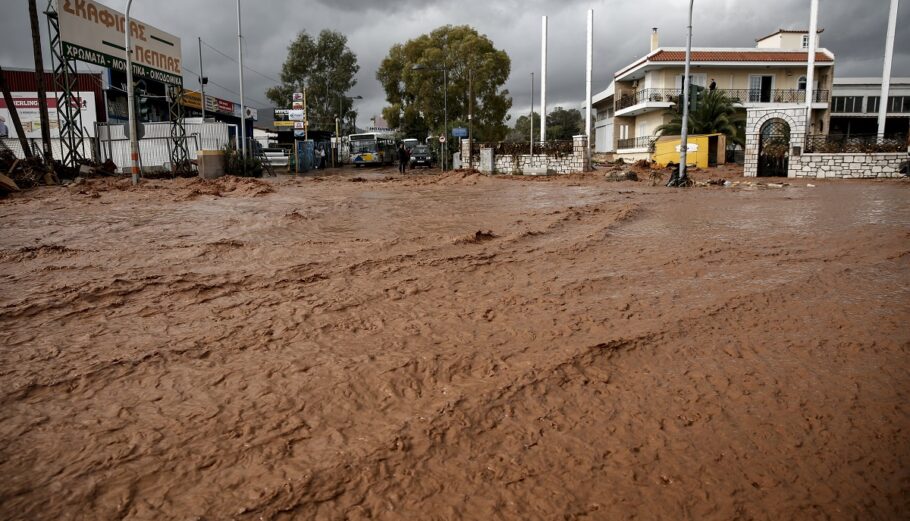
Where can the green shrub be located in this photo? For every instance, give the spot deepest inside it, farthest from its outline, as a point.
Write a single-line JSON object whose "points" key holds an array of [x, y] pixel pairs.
{"points": [[234, 164]]}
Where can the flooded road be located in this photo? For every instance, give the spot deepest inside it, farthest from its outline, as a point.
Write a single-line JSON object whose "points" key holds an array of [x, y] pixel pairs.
{"points": [[454, 347]]}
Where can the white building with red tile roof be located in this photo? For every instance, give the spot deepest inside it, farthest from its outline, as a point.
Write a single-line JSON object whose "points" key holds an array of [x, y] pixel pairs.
{"points": [[770, 75]]}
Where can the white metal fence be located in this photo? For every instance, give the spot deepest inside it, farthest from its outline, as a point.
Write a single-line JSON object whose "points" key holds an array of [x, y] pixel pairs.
{"points": [[154, 147]]}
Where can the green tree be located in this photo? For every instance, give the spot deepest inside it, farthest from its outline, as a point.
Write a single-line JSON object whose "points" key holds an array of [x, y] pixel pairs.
{"points": [[562, 124], [414, 94], [522, 130], [326, 67], [713, 113]]}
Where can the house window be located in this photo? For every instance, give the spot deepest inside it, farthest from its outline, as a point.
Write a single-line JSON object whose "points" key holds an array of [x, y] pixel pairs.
{"points": [[801, 84], [899, 104], [872, 104], [849, 104], [805, 41]]}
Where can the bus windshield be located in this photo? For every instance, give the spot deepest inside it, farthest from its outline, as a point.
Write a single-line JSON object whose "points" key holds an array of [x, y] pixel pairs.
{"points": [[363, 147]]}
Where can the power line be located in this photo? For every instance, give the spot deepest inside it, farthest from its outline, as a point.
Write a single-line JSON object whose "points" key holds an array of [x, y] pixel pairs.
{"points": [[245, 67], [213, 82]]}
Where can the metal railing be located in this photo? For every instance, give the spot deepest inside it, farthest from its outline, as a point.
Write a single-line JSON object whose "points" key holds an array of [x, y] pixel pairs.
{"points": [[854, 144], [735, 95], [37, 149], [774, 95], [555, 147], [637, 142], [645, 95]]}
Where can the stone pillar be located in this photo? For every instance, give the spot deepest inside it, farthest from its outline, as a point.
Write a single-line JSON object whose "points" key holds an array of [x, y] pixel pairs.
{"points": [[487, 161], [581, 153], [465, 152]]}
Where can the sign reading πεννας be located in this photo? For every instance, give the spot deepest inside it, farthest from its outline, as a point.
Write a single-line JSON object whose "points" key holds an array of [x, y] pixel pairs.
{"points": [[94, 33]]}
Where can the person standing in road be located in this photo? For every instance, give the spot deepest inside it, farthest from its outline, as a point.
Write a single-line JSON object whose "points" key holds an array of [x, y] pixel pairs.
{"points": [[4, 130], [402, 158]]}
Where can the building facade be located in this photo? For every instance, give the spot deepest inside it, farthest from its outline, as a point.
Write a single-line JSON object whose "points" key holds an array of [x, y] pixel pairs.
{"points": [[855, 103], [770, 75]]}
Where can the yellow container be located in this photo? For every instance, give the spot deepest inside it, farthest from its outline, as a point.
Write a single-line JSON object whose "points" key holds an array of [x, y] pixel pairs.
{"points": [[704, 150]]}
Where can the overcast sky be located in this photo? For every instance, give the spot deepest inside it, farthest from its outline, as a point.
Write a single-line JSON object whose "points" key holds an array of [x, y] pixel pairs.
{"points": [[854, 31]]}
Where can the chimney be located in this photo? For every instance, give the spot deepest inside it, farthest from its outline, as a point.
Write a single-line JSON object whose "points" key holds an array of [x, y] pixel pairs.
{"points": [[655, 39]]}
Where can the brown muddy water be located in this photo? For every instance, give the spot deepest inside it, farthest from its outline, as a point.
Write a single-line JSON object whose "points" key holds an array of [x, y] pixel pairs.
{"points": [[454, 347]]}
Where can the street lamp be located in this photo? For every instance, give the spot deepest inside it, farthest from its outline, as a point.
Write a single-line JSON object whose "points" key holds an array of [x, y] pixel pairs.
{"points": [[337, 146], [445, 96]]}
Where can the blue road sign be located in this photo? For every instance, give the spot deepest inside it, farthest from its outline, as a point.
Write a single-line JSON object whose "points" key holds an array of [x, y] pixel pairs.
{"points": [[459, 132]]}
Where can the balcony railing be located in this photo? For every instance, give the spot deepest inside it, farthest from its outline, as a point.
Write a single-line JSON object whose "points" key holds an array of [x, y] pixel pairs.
{"points": [[857, 144], [637, 142], [774, 95], [735, 95], [656, 95]]}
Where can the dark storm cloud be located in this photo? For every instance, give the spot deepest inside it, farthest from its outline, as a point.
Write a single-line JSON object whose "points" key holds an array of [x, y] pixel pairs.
{"points": [[854, 31]]}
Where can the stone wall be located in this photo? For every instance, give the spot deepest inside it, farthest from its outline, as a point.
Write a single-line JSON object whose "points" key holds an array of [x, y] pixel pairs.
{"points": [[578, 161], [847, 166]]}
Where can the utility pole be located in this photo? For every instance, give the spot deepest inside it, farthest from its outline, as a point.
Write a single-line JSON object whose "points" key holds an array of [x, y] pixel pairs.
{"points": [[471, 119], [531, 115], [810, 67], [242, 106], [39, 81], [684, 137], [886, 71], [131, 97], [14, 115], [202, 81], [588, 83], [543, 80]]}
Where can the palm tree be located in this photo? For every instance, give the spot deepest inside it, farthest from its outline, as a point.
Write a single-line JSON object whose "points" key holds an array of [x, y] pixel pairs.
{"points": [[713, 114]]}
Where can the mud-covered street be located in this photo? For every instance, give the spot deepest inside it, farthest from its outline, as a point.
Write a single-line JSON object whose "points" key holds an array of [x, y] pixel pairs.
{"points": [[370, 346]]}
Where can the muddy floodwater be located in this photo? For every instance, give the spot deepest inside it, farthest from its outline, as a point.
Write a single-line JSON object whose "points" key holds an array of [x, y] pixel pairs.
{"points": [[454, 347]]}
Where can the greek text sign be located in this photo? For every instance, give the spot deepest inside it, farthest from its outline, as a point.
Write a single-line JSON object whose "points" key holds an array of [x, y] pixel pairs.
{"points": [[93, 33]]}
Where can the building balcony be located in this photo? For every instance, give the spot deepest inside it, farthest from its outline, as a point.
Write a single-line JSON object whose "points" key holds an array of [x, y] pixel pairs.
{"points": [[647, 100], [636, 144]]}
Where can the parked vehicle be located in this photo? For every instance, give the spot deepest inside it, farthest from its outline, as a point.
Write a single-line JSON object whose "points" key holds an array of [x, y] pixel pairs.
{"points": [[410, 143], [421, 156], [372, 149]]}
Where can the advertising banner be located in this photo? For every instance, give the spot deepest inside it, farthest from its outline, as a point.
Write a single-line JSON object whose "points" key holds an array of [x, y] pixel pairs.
{"points": [[192, 99], [27, 106], [225, 106], [94, 33]]}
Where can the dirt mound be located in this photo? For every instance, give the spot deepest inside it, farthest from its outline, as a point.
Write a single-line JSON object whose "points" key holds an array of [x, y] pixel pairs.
{"points": [[476, 237], [235, 186]]}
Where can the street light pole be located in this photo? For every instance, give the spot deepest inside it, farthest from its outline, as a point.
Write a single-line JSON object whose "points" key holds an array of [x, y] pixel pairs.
{"points": [[445, 101], [242, 107], [338, 126], [131, 97], [684, 137], [471, 119], [531, 115], [202, 80]]}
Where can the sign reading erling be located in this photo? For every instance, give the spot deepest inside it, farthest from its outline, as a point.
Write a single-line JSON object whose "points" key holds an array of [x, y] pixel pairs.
{"points": [[93, 33]]}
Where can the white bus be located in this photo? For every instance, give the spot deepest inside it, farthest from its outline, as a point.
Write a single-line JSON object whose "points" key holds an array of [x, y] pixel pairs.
{"points": [[372, 149]]}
